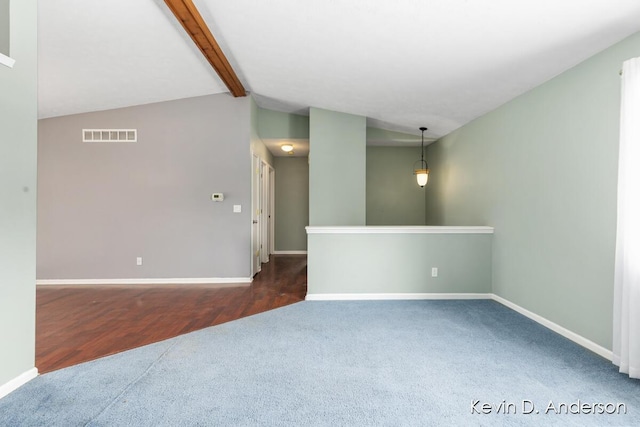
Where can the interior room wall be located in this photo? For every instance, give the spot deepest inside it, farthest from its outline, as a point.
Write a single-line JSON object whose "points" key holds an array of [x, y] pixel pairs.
{"points": [[5, 35], [257, 146], [393, 196], [337, 162], [542, 170], [102, 205], [276, 124], [18, 150], [291, 203], [398, 263]]}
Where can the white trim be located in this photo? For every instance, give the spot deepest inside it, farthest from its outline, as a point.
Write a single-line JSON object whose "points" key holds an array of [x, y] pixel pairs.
{"points": [[390, 296], [232, 281], [256, 261], [421, 229], [5, 60], [289, 252], [18, 381], [265, 209], [578, 339], [272, 209]]}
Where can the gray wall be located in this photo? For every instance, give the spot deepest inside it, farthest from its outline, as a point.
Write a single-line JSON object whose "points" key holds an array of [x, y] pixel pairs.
{"points": [[337, 177], [393, 196], [399, 263], [4, 27], [292, 203], [18, 142], [542, 169], [101, 205]]}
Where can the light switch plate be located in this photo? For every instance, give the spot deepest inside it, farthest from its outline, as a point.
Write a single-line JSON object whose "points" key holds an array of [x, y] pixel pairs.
{"points": [[237, 208]]}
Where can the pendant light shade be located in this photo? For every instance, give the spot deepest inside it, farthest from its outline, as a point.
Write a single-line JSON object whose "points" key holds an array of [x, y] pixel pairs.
{"points": [[420, 168], [422, 176]]}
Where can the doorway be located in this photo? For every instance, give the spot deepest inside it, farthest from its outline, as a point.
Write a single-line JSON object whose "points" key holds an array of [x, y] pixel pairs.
{"points": [[262, 213]]}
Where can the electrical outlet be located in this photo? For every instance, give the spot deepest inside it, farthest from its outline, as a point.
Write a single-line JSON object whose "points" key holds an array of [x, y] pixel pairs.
{"points": [[434, 271], [139, 260]]}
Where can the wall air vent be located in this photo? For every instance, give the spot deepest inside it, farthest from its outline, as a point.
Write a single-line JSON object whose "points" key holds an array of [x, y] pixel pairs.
{"points": [[109, 135]]}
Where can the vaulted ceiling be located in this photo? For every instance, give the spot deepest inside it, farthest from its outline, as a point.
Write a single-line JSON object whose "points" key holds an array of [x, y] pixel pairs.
{"points": [[402, 64]]}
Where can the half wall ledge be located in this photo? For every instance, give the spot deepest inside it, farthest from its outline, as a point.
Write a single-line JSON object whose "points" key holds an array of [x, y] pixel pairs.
{"points": [[391, 260], [404, 229]]}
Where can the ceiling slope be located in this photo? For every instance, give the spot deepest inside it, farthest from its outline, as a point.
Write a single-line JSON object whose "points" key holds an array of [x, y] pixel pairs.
{"points": [[411, 63], [402, 64], [98, 55]]}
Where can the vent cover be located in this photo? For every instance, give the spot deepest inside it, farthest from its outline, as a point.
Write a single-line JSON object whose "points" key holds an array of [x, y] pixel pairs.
{"points": [[109, 135]]}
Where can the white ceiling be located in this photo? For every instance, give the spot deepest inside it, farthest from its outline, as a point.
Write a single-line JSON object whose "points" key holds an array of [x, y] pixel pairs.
{"points": [[96, 55], [402, 64]]}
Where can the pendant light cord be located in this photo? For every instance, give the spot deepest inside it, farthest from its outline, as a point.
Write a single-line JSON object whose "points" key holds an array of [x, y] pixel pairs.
{"points": [[422, 148]]}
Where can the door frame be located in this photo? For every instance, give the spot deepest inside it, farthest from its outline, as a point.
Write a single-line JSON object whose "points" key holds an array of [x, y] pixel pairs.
{"points": [[266, 217], [256, 265], [272, 210]]}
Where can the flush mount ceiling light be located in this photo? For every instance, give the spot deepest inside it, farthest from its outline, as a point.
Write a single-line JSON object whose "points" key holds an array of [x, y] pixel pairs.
{"points": [[420, 168], [287, 148]]}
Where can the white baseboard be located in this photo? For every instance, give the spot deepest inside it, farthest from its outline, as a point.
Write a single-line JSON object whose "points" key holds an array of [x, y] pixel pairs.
{"points": [[18, 381], [578, 339], [289, 252], [390, 296], [230, 281]]}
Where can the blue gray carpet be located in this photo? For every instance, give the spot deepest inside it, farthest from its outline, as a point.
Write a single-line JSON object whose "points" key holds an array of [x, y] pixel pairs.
{"points": [[365, 363]]}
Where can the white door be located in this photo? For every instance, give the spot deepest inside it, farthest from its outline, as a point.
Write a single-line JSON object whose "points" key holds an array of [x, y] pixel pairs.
{"points": [[255, 215], [265, 212]]}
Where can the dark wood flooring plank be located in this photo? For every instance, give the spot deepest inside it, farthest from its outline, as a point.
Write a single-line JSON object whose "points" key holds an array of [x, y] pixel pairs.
{"points": [[75, 324]]}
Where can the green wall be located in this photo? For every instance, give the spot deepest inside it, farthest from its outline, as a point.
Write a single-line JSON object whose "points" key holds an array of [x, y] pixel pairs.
{"points": [[385, 137], [275, 124], [257, 146], [337, 177], [393, 196], [542, 170], [18, 147], [292, 203], [399, 263]]}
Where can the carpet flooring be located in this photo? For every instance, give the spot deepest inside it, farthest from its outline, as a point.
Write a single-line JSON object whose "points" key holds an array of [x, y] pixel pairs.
{"points": [[348, 363]]}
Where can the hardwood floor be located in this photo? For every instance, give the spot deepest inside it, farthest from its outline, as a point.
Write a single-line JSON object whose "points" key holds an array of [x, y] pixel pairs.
{"points": [[76, 324]]}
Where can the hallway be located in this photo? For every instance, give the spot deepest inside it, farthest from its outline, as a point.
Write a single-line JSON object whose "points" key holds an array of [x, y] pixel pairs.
{"points": [[75, 324]]}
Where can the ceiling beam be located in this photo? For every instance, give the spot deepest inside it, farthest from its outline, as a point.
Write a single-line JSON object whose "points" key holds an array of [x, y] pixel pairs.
{"points": [[194, 25]]}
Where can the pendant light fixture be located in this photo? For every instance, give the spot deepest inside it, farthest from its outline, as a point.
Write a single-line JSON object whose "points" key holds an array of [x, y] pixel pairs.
{"points": [[420, 168]]}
